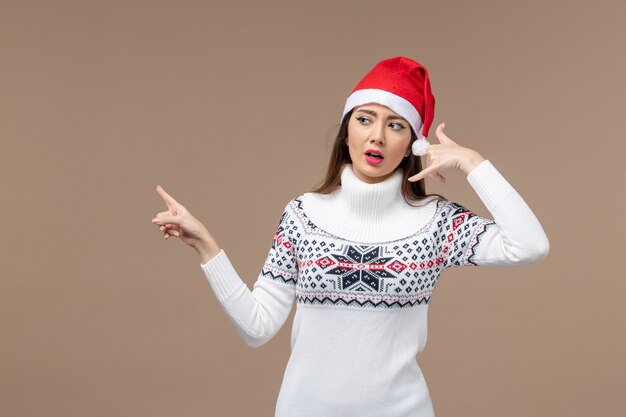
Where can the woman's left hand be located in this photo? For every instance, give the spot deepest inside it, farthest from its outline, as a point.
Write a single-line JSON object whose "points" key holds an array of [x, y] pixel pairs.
{"points": [[447, 153]]}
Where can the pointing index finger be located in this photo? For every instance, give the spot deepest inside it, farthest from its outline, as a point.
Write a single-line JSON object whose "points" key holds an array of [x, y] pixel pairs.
{"points": [[169, 200], [424, 172], [417, 176]]}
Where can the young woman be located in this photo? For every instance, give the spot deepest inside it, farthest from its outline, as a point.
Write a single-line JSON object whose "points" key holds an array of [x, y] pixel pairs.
{"points": [[361, 254]]}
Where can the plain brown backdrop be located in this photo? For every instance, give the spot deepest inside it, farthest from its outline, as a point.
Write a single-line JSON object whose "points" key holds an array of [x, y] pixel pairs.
{"points": [[231, 107]]}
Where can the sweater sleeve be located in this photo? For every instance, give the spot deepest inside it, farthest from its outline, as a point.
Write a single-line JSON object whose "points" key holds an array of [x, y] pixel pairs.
{"points": [[259, 314], [513, 237]]}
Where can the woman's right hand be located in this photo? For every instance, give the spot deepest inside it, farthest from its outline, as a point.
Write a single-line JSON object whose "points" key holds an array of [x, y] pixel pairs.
{"points": [[178, 222]]}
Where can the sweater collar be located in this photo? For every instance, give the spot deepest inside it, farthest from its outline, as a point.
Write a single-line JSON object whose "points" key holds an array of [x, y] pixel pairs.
{"points": [[370, 201], [366, 213]]}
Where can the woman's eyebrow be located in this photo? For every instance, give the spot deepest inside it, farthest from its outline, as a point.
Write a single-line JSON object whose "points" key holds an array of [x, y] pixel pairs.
{"points": [[373, 113]]}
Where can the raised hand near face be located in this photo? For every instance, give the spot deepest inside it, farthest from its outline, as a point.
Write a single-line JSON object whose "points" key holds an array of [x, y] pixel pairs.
{"points": [[447, 153]]}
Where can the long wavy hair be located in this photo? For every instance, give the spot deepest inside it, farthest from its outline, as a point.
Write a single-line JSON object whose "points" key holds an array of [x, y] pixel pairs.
{"points": [[340, 156]]}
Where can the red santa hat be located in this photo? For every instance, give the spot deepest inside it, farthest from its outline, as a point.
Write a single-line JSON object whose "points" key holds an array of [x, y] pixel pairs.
{"points": [[402, 85]]}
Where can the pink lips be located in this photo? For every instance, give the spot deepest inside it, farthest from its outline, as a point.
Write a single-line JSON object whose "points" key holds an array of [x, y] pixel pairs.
{"points": [[373, 160]]}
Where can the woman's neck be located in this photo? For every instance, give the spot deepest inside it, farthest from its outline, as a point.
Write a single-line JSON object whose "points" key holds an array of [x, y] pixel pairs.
{"points": [[366, 213], [370, 201]]}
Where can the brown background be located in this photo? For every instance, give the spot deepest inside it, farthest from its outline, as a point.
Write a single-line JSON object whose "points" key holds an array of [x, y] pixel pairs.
{"points": [[232, 108]]}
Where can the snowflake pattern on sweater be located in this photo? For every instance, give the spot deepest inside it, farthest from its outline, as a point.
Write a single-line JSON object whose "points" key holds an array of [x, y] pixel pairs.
{"points": [[329, 270]]}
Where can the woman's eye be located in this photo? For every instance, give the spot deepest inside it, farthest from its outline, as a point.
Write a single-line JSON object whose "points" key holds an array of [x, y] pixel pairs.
{"points": [[396, 126], [363, 120]]}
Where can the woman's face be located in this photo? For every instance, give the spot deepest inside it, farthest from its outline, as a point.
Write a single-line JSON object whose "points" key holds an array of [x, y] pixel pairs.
{"points": [[376, 129]]}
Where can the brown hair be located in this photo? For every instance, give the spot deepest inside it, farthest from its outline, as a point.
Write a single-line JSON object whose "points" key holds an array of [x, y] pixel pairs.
{"points": [[340, 156]]}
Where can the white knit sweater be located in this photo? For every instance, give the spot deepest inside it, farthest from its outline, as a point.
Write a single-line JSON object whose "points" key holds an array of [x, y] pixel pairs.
{"points": [[361, 266]]}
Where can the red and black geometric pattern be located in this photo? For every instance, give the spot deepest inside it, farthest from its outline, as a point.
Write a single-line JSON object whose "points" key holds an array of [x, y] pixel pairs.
{"points": [[457, 232], [329, 270]]}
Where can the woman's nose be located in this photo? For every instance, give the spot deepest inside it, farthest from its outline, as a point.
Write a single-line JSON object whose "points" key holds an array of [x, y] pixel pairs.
{"points": [[378, 134]]}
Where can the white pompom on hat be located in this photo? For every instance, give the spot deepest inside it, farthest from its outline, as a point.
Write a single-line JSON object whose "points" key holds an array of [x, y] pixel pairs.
{"points": [[401, 84]]}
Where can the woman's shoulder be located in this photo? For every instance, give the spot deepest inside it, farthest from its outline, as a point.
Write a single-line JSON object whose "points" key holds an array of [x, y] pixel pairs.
{"points": [[310, 198], [299, 198], [295, 204]]}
